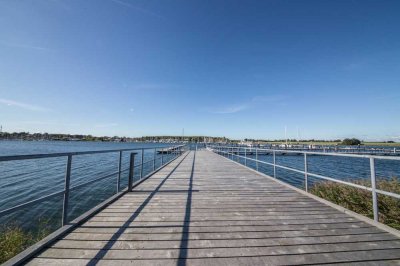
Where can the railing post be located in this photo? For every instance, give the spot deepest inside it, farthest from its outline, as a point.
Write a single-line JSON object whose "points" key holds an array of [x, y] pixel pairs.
{"points": [[305, 172], [245, 157], [162, 157], [373, 186], [67, 182], [141, 164], [257, 159], [274, 162], [131, 171], [119, 171], [237, 154], [154, 159]]}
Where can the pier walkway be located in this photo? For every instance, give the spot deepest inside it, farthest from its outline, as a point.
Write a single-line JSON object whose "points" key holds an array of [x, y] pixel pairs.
{"points": [[203, 209]]}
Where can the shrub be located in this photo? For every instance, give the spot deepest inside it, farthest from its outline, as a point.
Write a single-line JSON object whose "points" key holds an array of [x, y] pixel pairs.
{"points": [[360, 201], [351, 142]]}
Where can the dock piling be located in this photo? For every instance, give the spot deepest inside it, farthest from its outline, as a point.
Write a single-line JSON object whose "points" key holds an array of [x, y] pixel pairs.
{"points": [[67, 183]]}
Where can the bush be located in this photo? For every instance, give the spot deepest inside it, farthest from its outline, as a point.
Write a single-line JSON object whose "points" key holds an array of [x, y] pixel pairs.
{"points": [[351, 142], [360, 201]]}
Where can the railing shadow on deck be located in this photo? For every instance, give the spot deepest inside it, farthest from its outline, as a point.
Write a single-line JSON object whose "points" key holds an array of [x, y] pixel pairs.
{"points": [[134, 215], [183, 248]]}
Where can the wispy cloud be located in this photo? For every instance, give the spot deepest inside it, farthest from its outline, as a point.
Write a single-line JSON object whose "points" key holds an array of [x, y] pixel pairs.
{"points": [[253, 102], [136, 8], [228, 109], [106, 125], [25, 46], [21, 105]]}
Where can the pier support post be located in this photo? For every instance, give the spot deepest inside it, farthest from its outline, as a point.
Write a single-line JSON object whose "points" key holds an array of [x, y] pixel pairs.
{"points": [[305, 173], [373, 187], [245, 156], [274, 162], [141, 164], [154, 159], [119, 171], [67, 182], [131, 171], [257, 159]]}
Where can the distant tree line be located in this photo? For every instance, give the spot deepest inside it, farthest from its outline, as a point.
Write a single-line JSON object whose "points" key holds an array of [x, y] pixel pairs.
{"points": [[293, 140], [80, 137]]}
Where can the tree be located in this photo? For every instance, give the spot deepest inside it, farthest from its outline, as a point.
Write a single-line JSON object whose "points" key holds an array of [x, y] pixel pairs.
{"points": [[352, 141]]}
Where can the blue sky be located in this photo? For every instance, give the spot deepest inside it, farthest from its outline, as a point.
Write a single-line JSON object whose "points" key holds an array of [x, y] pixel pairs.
{"points": [[226, 68]]}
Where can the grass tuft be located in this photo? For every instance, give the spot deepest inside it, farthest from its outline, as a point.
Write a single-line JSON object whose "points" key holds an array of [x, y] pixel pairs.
{"points": [[360, 201], [14, 239]]}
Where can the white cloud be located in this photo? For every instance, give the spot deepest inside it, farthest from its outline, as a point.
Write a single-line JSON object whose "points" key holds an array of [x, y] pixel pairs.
{"points": [[253, 102], [21, 105], [228, 109]]}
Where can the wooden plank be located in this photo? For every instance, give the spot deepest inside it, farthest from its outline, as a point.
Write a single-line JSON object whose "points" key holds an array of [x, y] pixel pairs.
{"points": [[211, 211]]}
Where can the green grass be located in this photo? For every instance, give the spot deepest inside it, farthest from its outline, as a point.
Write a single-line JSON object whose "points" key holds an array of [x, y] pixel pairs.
{"points": [[14, 239], [360, 201]]}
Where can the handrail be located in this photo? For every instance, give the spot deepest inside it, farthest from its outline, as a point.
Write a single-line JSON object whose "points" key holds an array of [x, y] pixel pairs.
{"points": [[62, 154], [235, 151], [173, 150], [388, 157]]}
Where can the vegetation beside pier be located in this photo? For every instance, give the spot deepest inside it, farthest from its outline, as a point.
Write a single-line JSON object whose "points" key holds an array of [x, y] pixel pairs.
{"points": [[14, 239], [360, 201]]}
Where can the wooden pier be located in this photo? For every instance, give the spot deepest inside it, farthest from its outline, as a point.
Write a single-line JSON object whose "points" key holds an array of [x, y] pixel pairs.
{"points": [[203, 209]]}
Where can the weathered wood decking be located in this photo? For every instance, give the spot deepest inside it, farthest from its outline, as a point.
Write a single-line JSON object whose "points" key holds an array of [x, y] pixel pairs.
{"points": [[206, 210]]}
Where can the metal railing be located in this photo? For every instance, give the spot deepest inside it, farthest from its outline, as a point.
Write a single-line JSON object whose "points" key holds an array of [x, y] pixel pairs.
{"points": [[175, 151], [233, 152], [366, 150]]}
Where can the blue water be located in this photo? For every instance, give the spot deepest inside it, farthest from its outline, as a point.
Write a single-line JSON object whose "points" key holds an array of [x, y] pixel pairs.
{"points": [[23, 181], [342, 168]]}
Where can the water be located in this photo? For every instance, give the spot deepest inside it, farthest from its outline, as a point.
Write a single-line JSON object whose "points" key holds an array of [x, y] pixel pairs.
{"points": [[22, 181], [343, 168], [26, 180]]}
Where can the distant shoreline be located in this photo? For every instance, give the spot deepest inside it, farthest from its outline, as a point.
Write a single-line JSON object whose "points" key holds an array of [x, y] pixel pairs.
{"points": [[333, 143], [320, 143]]}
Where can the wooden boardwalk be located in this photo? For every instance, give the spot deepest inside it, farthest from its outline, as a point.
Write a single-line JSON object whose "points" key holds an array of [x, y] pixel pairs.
{"points": [[203, 209]]}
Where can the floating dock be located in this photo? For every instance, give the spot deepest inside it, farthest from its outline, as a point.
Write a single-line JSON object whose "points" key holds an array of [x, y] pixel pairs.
{"points": [[169, 150]]}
